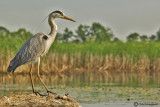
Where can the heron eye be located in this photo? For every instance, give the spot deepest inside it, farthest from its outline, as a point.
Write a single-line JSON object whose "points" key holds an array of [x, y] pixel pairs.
{"points": [[45, 37]]}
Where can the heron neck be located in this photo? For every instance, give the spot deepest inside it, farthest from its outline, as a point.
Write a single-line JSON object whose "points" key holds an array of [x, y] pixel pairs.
{"points": [[53, 27]]}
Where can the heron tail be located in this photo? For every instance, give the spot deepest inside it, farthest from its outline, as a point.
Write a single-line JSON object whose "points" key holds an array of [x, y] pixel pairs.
{"points": [[11, 69]]}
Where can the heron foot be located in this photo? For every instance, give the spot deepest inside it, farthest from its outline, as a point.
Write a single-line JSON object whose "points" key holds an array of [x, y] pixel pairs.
{"points": [[37, 93], [51, 92]]}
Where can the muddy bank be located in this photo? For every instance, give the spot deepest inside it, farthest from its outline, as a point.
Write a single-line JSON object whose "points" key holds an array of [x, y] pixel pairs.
{"points": [[31, 100]]}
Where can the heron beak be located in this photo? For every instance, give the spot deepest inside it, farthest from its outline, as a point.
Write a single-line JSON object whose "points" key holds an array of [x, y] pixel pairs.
{"points": [[67, 18]]}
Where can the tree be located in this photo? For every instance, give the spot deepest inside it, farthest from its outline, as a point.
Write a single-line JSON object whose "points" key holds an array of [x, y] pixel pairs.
{"points": [[101, 33], [144, 38], [84, 32], [133, 37], [116, 39], [67, 34], [158, 35], [59, 37], [152, 38], [21, 33], [4, 31]]}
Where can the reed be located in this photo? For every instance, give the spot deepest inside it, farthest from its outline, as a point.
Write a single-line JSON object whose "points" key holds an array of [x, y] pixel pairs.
{"points": [[89, 57], [55, 62]]}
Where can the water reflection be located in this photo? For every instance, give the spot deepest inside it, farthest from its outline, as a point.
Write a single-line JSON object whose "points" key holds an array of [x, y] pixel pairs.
{"points": [[90, 79], [87, 87]]}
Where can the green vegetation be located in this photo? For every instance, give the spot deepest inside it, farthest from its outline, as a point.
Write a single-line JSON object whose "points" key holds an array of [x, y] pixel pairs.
{"points": [[151, 49], [95, 40]]}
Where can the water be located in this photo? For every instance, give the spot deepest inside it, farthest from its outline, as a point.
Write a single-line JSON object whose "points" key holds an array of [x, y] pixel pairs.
{"points": [[89, 89]]}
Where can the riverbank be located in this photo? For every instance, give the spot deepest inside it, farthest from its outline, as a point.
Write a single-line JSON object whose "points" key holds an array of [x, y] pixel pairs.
{"points": [[31, 100]]}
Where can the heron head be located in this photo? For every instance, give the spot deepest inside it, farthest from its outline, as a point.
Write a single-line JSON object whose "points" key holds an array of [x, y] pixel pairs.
{"points": [[59, 14]]}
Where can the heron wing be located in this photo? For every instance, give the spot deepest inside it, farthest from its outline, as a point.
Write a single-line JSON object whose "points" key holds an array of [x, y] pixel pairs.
{"points": [[30, 51]]}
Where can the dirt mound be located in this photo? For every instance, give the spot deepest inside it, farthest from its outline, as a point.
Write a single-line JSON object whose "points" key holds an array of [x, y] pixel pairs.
{"points": [[31, 100]]}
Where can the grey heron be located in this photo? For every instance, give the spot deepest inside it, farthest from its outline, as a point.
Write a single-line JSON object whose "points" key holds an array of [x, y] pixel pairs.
{"points": [[37, 46]]}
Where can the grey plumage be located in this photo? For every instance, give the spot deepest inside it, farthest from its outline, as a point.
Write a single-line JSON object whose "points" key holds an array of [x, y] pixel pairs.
{"points": [[30, 51]]}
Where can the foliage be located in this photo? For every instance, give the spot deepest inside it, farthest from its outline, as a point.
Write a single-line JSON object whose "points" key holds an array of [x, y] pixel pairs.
{"points": [[22, 33], [143, 38], [95, 39], [102, 33], [158, 35], [85, 33], [152, 38], [133, 37]]}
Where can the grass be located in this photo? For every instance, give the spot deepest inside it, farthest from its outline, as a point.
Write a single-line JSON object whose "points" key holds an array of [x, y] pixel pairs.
{"points": [[133, 49], [90, 56]]}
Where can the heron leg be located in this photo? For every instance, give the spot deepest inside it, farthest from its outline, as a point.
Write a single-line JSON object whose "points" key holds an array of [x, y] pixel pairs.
{"points": [[42, 81], [30, 75]]}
